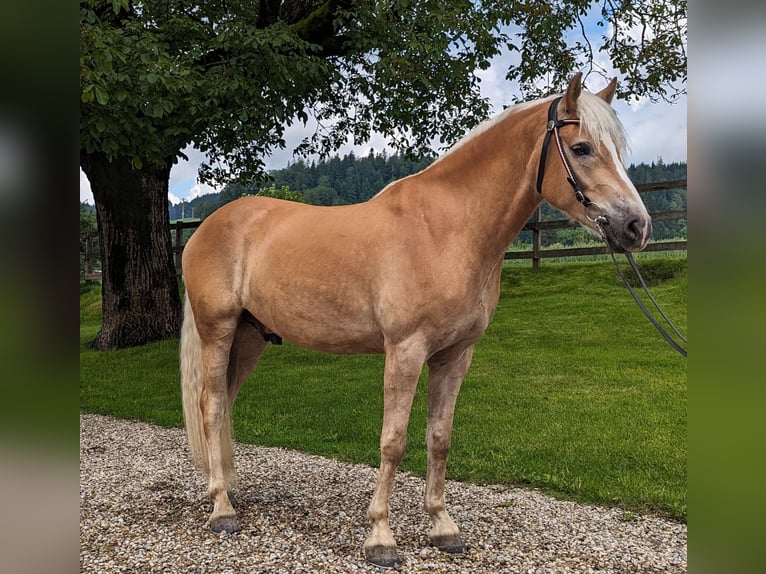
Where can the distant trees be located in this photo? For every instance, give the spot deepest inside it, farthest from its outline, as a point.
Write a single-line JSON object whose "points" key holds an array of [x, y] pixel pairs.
{"points": [[666, 200], [333, 181], [205, 208], [283, 192], [87, 225], [347, 179], [87, 218]]}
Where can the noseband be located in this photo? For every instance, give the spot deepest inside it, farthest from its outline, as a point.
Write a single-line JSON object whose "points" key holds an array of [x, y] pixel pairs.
{"points": [[598, 217], [554, 123]]}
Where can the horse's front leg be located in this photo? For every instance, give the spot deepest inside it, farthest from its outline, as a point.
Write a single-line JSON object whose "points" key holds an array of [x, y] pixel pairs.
{"points": [[445, 374], [403, 366]]}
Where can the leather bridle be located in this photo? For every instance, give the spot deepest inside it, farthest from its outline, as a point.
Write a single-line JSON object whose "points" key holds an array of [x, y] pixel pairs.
{"points": [[593, 210]]}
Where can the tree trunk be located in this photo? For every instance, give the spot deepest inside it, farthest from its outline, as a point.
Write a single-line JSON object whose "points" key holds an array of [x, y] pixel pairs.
{"points": [[139, 290]]}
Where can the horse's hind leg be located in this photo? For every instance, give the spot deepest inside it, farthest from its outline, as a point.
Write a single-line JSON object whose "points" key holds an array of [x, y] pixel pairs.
{"points": [[246, 350], [445, 374], [216, 419]]}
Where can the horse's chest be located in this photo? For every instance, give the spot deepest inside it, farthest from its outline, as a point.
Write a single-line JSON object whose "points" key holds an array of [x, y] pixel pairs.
{"points": [[464, 320]]}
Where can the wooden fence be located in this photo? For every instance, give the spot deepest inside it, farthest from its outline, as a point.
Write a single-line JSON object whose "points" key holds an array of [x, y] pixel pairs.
{"points": [[536, 226], [90, 261]]}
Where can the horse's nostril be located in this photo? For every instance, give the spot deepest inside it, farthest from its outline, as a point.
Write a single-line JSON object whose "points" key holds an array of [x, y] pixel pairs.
{"points": [[634, 229]]}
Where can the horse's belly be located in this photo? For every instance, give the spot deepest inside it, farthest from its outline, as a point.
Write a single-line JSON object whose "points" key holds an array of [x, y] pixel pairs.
{"points": [[337, 325], [337, 342]]}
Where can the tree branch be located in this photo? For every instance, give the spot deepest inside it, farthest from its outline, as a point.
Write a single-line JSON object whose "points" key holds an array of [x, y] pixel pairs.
{"points": [[268, 13], [318, 27]]}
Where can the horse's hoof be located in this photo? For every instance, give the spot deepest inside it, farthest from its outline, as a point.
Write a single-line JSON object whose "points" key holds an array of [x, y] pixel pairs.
{"points": [[449, 544], [225, 524], [382, 556]]}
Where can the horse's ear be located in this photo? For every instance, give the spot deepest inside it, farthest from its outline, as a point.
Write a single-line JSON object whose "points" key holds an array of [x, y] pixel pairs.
{"points": [[608, 93], [573, 92]]}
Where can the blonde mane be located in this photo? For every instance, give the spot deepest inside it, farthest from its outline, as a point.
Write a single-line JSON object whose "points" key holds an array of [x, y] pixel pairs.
{"points": [[489, 123], [598, 119]]}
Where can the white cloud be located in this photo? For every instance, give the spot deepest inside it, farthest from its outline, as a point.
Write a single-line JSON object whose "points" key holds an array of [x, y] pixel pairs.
{"points": [[188, 190], [183, 183], [86, 195], [200, 189], [494, 85], [294, 135], [185, 170], [654, 130]]}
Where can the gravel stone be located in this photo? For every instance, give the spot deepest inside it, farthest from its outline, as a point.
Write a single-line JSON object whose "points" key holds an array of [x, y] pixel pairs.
{"points": [[143, 508]]}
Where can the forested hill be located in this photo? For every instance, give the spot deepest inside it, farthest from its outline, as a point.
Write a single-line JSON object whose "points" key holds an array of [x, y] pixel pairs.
{"points": [[351, 179], [339, 181]]}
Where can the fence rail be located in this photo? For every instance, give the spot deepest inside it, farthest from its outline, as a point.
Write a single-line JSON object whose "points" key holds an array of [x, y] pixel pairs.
{"points": [[537, 253], [90, 256]]}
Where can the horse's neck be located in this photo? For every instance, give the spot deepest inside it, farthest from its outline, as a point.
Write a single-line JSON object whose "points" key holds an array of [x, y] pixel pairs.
{"points": [[487, 197]]}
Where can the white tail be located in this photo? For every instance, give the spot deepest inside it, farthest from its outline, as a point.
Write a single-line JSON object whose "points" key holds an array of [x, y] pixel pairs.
{"points": [[191, 392]]}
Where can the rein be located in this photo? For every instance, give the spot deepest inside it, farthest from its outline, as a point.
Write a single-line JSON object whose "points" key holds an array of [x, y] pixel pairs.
{"points": [[554, 123], [672, 342]]}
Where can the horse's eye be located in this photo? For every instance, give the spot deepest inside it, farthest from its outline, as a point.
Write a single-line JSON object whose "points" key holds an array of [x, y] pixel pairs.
{"points": [[582, 149]]}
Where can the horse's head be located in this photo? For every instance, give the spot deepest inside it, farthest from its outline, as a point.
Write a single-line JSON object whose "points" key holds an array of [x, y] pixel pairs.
{"points": [[584, 174]]}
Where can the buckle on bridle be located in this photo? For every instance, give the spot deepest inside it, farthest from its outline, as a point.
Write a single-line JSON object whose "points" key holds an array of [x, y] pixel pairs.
{"points": [[597, 218]]}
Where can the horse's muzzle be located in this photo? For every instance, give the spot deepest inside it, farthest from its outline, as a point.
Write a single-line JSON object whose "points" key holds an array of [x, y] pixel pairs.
{"points": [[630, 233]]}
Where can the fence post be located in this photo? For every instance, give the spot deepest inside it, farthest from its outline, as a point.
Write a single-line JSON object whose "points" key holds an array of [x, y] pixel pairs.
{"points": [[179, 237], [536, 238], [89, 254]]}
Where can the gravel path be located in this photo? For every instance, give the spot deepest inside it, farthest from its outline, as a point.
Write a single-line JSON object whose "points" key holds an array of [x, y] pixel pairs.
{"points": [[143, 509]]}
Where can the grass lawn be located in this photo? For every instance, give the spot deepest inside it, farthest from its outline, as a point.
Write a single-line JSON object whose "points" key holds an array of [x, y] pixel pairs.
{"points": [[570, 391]]}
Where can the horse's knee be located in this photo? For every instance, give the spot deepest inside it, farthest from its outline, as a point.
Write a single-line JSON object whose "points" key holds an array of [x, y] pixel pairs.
{"points": [[438, 442]]}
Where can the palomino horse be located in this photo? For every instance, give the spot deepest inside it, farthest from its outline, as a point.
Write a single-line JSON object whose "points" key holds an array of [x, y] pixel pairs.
{"points": [[413, 273]]}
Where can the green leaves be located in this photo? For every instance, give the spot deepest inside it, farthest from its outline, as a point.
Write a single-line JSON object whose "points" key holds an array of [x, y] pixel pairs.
{"points": [[101, 96], [156, 78], [118, 5], [648, 46], [645, 41], [282, 192]]}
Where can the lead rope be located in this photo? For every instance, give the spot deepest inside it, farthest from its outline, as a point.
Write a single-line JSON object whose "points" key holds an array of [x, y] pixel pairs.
{"points": [[632, 262], [672, 342]]}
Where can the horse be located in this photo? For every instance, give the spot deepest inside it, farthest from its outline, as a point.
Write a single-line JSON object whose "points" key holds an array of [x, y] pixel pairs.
{"points": [[413, 273]]}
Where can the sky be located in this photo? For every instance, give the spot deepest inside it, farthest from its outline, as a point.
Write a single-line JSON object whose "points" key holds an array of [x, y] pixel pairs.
{"points": [[655, 130]]}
